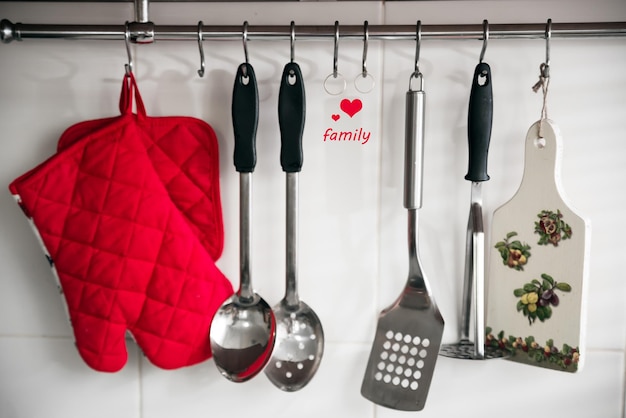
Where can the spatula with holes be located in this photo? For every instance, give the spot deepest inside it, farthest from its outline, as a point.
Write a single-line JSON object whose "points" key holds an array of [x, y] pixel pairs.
{"points": [[409, 332]]}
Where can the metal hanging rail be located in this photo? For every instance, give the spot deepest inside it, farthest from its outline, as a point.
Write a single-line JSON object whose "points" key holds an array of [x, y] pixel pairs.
{"points": [[146, 32]]}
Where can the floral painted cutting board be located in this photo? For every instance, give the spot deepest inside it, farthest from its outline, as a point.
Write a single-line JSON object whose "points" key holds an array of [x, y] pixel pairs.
{"points": [[538, 256]]}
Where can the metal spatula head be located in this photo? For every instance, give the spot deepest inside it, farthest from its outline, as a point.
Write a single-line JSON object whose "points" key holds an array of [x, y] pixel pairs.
{"points": [[404, 353]]}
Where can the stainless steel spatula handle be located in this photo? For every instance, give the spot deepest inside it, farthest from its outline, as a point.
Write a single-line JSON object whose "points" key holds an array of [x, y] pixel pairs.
{"points": [[413, 163], [414, 149]]}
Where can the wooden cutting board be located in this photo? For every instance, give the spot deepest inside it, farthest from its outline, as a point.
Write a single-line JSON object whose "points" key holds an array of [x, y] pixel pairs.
{"points": [[538, 256]]}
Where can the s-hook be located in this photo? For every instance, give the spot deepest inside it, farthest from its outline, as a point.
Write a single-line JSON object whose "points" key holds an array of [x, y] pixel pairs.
{"points": [[364, 82], [200, 47], [544, 81], [244, 38], [544, 68], [292, 76], [366, 36], [336, 50], [485, 40], [128, 66], [417, 74], [292, 39], [335, 84]]}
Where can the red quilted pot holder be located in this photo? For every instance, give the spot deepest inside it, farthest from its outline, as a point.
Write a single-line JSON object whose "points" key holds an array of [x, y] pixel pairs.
{"points": [[184, 153], [126, 256]]}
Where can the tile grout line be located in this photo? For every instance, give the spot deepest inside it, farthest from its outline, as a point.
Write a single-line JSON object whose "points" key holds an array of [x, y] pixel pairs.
{"points": [[140, 386], [381, 124], [623, 406]]}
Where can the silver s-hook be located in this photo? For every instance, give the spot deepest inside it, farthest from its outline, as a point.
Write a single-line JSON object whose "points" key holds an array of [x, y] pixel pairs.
{"points": [[335, 84], [417, 74], [244, 36], [128, 66], [336, 50], [292, 38], [544, 82], [418, 44], [201, 48], [546, 69], [364, 82], [485, 39], [366, 36]]}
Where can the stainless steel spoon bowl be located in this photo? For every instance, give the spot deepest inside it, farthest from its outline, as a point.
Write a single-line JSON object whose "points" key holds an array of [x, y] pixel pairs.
{"points": [[299, 334], [242, 337], [243, 329]]}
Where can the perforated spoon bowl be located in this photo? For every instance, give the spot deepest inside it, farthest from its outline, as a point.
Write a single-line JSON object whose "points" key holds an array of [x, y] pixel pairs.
{"points": [[299, 334]]}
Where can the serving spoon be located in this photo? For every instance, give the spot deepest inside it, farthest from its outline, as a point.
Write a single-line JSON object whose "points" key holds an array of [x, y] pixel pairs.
{"points": [[244, 328]]}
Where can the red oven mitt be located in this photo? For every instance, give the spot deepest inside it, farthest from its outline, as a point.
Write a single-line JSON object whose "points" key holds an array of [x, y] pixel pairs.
{"points": [[184, 153], [125, 256]]}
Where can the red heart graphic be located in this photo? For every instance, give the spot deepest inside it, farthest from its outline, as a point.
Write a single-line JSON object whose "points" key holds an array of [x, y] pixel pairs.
{"points": [[351, 108], [335, 117]]}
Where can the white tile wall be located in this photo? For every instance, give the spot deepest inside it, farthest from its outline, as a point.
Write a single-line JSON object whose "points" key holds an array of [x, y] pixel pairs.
{"points": [[352, 252]]}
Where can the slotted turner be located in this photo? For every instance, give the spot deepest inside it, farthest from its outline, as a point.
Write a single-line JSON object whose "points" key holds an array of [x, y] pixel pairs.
{"points": [[409, 332]]}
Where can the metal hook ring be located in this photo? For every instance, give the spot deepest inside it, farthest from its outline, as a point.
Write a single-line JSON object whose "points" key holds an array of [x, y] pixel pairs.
{"points": [[292, 40], [366, 35], [336, 50], [129, 66], [200, 47], [364, 83], [485, 39], [416, 76], [335, 84], [418, 42]]}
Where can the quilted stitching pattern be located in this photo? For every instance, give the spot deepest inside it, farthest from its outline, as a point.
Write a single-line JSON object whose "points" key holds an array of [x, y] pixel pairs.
{"points": [[126, 256], [184, 154]]}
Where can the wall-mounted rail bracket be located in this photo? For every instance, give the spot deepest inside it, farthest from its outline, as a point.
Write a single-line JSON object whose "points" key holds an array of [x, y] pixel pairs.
{"points": [[141, 32], [7, 32]]}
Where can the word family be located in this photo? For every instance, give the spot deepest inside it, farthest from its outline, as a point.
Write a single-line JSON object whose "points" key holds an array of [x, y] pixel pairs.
{"points": [[358, 135]]}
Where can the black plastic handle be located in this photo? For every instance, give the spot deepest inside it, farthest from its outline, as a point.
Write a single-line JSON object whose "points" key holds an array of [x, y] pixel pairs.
{"points": [[479, 123], [291, 111], [245, 113]]}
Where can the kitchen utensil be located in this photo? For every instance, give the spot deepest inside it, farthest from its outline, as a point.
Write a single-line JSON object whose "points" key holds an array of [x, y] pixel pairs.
{"points": [[409, 332], [538, 264], [479, 135], [244, 328], [299, 334]]}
